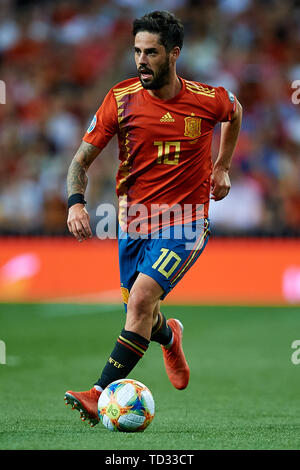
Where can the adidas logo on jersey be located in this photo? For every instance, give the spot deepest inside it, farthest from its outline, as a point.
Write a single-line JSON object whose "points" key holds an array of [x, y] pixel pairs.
{"points": [[167, 118]]}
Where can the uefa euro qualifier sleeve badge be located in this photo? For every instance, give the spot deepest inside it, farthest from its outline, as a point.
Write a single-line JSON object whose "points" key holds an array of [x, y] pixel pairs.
{"points": [[192, 126], [92, 125]]}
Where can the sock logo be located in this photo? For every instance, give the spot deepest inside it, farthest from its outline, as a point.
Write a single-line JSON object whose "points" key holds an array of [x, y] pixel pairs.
{"points": [[115, 363]]}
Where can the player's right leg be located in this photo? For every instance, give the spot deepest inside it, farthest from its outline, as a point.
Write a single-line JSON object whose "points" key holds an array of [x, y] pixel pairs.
{"points": [[129, 348], [87, 402]]}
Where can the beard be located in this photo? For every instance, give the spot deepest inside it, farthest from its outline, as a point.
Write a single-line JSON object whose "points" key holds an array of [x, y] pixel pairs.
{"points": [[159, 79]]}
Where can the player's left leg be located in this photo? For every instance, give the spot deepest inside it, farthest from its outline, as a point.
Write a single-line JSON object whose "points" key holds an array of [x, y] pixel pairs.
{"points": [[168, 333], [144, 299], [167, 260]]}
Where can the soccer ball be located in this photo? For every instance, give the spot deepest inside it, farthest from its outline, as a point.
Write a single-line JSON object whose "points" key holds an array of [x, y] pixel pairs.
{"points": [[126, 405]]}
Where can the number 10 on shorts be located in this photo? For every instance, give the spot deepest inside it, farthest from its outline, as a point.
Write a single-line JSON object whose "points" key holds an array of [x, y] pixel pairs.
{"points": [[168, 259]]}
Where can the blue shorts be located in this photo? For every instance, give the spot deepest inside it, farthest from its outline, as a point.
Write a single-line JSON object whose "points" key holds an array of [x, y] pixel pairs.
{"points": [[165, 256]]}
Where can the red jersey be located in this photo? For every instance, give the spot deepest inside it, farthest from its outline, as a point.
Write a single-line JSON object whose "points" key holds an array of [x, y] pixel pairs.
{"points": [[165, 145]]}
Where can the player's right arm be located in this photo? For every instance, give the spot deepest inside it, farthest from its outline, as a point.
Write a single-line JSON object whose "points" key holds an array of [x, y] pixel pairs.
{"points": [[102, 128], [77, 179]]}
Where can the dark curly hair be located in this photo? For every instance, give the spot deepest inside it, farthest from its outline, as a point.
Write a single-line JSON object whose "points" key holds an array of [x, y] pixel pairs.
{"points": [[169, 28]]}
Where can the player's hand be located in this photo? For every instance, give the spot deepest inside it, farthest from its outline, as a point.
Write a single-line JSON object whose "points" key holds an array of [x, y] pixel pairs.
{"points": [[79, 222], [220, 184]]}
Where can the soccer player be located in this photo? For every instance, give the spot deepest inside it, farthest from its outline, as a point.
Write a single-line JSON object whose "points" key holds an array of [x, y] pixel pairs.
{"points": [[164, 125]]}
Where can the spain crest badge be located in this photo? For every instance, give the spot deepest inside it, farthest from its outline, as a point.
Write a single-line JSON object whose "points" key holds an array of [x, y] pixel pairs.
{"points": [[192, 126]]}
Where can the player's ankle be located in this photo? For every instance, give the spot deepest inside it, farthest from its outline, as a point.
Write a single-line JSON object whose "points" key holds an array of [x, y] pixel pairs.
{"points": [[161, 332], [169, 345]]}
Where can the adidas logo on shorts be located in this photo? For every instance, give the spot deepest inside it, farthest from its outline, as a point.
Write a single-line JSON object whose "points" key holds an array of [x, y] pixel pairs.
{"points": [[167, 118]]}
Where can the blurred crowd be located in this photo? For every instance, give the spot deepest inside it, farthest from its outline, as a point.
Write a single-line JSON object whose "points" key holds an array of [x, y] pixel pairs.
{"points": [[59, 59]]}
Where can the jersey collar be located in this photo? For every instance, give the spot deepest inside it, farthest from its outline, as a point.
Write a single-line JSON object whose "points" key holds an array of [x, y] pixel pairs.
{"points": [[172, 100]]}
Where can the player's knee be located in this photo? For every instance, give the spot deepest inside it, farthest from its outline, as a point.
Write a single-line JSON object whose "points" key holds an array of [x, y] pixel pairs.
{"points": [[140, 304]]}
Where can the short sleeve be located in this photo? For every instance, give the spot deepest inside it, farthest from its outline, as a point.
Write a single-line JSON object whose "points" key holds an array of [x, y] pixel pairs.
{"points": [[226, 104], [104, 124]]}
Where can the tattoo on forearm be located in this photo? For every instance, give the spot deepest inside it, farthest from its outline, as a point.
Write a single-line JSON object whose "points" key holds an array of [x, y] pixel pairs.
{"points": [[77, 178]]}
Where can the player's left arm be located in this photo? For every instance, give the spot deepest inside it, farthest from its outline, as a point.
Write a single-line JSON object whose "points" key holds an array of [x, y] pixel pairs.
{"points": [[220, 181]]}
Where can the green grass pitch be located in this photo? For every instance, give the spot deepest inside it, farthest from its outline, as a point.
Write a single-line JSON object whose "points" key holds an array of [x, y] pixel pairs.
{"points": [[243, 391]]}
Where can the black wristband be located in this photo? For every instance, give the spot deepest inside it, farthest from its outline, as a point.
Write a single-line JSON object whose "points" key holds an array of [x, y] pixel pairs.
{"points": [[76, 198]]}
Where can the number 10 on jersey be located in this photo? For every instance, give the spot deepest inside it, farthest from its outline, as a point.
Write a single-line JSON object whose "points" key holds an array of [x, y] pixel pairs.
{"points": [[168, 152], [166, 257]]}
